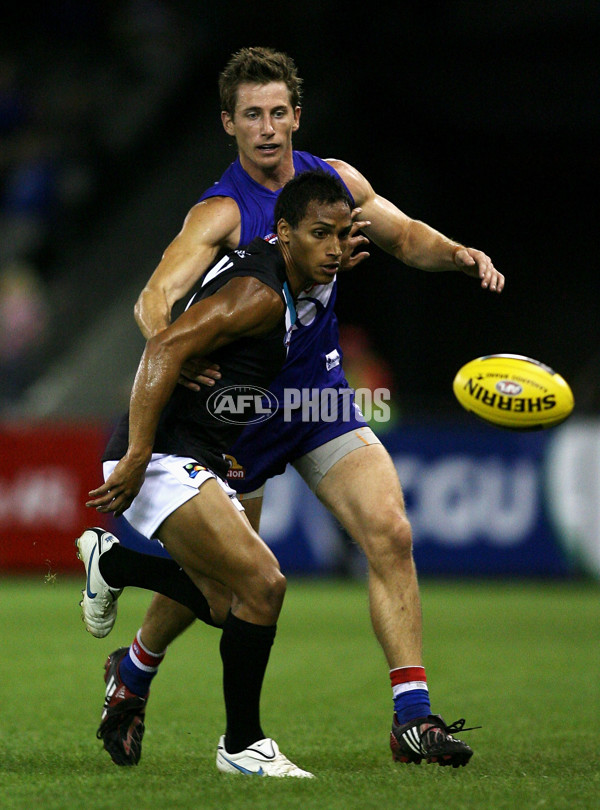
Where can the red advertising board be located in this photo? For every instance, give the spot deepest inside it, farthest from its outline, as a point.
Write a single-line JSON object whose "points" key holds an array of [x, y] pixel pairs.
{"points": [[46, 471]]}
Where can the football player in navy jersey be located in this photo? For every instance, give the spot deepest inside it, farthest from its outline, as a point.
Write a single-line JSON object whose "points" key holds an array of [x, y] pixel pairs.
{"points": [[342, 461], [163, 461]]}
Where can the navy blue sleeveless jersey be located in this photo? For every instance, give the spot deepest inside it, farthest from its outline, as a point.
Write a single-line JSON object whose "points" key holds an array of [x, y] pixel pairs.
{"points": [[314, 360], [188, 425]]}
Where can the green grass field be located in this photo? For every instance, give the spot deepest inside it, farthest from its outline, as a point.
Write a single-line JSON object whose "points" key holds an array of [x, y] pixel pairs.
{"points": [[522, 660]]}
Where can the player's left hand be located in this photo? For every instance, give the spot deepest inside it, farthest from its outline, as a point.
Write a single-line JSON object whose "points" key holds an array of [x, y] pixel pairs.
{"points": [[120, 488], [353, 255], [476, 264], [197, 371]]}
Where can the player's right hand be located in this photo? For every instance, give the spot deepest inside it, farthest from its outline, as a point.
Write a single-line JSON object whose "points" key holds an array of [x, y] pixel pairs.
{"points": [[120, 488], [199, 371]]}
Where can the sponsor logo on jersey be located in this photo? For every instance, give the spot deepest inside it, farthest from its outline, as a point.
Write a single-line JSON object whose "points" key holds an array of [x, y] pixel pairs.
{"points": [[332, 359], [235, 471], [193, 469]]}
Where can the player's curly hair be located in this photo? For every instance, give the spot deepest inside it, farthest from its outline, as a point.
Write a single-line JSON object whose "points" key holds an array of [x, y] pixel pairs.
{"points": [[310, 186], [258, 66]]}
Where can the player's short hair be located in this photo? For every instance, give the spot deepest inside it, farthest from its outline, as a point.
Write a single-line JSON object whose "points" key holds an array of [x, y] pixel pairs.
{"points": [[258, 66], [306, 187]]}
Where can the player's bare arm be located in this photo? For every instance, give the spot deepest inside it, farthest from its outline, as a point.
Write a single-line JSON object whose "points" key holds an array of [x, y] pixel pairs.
{"points": [[243, 307], [210, 226], [413, 242]]}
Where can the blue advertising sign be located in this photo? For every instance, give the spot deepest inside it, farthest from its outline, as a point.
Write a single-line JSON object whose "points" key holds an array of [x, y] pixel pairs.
{"points": [[475, 496]]}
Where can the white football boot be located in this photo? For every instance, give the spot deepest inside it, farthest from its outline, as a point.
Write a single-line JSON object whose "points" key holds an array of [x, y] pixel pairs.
{"points": [[99, 603], [262, 758]]}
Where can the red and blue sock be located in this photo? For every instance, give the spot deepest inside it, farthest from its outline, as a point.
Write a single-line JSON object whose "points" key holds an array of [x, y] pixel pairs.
{"points": [[411, 696], [139, 666]]}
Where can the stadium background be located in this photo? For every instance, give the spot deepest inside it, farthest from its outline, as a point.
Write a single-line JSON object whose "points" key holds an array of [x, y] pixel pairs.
{"points": [[479, 118]]}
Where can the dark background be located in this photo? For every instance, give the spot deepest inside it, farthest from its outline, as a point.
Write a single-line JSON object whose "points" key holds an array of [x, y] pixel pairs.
{"points": [[480, 118]]}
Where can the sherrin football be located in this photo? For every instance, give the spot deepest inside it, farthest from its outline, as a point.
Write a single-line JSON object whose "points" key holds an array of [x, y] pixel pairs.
{"points": [[512, 391]]}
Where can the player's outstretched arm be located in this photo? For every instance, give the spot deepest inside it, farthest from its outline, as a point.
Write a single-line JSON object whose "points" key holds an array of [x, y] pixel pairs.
{"points": [[475, 263], [243, 307], [413, 242]]}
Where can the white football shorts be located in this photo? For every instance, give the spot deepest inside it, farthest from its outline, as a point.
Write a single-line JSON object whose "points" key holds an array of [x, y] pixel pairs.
{"points": [[170, 481]]}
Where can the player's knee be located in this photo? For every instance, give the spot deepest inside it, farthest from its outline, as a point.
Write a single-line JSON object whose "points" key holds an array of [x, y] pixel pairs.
{"points": [[390, 538], [274, 589], [265, 593]]}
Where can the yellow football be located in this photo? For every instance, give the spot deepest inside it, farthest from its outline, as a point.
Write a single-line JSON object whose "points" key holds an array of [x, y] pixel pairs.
{"points": [[512, 391]]}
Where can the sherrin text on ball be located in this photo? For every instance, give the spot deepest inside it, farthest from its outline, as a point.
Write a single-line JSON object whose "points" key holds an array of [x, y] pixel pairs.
{"points": [[513, 391]]}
